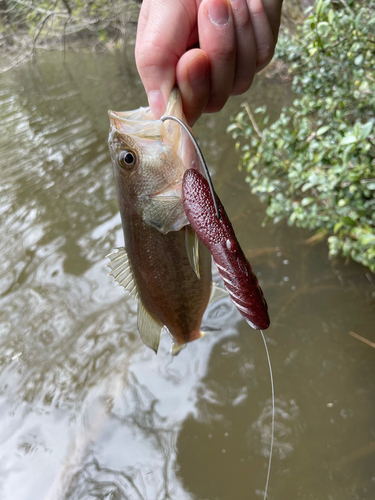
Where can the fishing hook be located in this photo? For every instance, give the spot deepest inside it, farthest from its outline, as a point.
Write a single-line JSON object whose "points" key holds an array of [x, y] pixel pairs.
{"points": [[201, 157]]}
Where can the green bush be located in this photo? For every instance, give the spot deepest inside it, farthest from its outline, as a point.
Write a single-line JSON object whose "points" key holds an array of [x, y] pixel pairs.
{"points": [[315, 165]]}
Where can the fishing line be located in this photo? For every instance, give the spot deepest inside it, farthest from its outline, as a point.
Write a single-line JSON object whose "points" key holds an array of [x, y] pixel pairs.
{"points": [[203, 161], [196, 145], [273, 414]]}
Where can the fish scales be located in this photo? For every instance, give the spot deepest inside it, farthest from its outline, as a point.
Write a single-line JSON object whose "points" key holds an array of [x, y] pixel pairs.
{"points": [[166, 282], [164, 261]]}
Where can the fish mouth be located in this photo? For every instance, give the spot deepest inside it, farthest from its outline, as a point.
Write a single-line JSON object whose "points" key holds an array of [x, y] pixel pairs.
{"points": [[141, 115], [140, 123]]}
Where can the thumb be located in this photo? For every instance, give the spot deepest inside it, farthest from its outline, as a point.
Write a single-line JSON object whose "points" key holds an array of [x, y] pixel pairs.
{"points": [[161, 40]]}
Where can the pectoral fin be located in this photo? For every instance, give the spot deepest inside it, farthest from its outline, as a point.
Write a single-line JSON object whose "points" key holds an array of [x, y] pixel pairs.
{"points": [[165, 213], [192, 249], [121, 270], [149, 329], [217, 293]]}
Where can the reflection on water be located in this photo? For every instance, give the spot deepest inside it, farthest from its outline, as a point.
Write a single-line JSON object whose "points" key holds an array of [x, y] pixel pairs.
{"points": [[86, 411]]}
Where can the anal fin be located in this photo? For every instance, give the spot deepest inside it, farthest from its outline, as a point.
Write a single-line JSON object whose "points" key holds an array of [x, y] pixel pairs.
{"points": [[217, 293], [149, 329]]}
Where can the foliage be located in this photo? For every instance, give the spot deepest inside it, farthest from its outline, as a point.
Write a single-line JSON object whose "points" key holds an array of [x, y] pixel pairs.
{"points": [[26, 25], [315, 165]]}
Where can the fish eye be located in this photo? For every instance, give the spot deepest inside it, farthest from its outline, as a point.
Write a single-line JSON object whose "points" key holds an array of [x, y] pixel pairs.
{"points": [[127, 159]]}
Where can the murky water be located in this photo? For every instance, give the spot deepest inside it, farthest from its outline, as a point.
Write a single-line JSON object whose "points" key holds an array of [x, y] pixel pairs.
{"points": [[86, 411]]}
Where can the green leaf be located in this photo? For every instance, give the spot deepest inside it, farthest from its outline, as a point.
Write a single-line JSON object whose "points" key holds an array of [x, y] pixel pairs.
{"points": [[364, 87], [323, 130], [337, 226], [348, 139], [366, 130], [367, 239], [260, 109], [323, 180], [306, 201], [357, 20], [318, 8], [348, 221], [231, 127]]}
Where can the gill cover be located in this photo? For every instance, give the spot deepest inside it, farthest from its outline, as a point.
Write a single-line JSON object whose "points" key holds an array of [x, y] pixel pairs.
{"points": [[164, 152]]}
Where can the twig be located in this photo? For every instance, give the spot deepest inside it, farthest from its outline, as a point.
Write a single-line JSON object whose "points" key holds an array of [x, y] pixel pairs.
{"points": [[362, 339], [337, 43], [366, 450], [38, 9], [32, 50], [41, 25], [67, 6], [316, 238], [253, 122], [347, 7]]}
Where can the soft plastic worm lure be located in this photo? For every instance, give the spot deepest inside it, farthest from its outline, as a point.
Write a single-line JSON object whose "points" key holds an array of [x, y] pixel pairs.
{"points": [[218, 236]]}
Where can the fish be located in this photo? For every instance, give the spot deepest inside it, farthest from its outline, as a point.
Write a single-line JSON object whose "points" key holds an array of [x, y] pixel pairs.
{"points": [[163, 262], [218, 236]]}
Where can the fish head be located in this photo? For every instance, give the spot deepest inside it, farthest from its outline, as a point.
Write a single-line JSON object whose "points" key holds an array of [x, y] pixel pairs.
{"points": [[149, 159]]}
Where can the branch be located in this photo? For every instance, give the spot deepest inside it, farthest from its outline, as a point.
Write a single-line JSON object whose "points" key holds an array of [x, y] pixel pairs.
{"points": [[31, 51], [67, 6], [347, 7], [253, 122], [39, 9], [362, 339]]}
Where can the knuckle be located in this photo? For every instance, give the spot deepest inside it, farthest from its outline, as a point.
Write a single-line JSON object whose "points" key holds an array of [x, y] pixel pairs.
{"points": [[146, 57], [214, 106], [223, 51], [265, 55], [151, 59], [242, 86], [241, 18]]}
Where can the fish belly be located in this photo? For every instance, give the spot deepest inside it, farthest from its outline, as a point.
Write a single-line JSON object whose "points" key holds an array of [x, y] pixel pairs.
{"points": [[167, 285]]}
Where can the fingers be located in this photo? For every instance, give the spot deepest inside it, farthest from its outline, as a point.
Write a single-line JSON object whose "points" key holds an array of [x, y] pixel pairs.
{"points": [[236, 38], [218, 40], [246, 56], [264, 38], [273, 11], [165, 27], [193, 80]]}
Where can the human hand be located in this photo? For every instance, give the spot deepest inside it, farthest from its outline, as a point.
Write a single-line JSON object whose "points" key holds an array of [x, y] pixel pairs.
{"points": [[236, 38]]}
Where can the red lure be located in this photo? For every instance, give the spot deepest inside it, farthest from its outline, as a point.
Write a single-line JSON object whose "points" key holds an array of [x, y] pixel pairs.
{"points": [[218, 236]]}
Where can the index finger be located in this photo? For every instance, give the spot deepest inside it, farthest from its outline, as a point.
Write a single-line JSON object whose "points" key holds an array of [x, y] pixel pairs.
{"points": [[161, 41]]}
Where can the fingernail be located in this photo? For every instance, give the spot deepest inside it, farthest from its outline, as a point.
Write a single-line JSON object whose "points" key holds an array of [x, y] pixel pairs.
{"points": [[157, 103], [197, 72], [218, 11]]}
